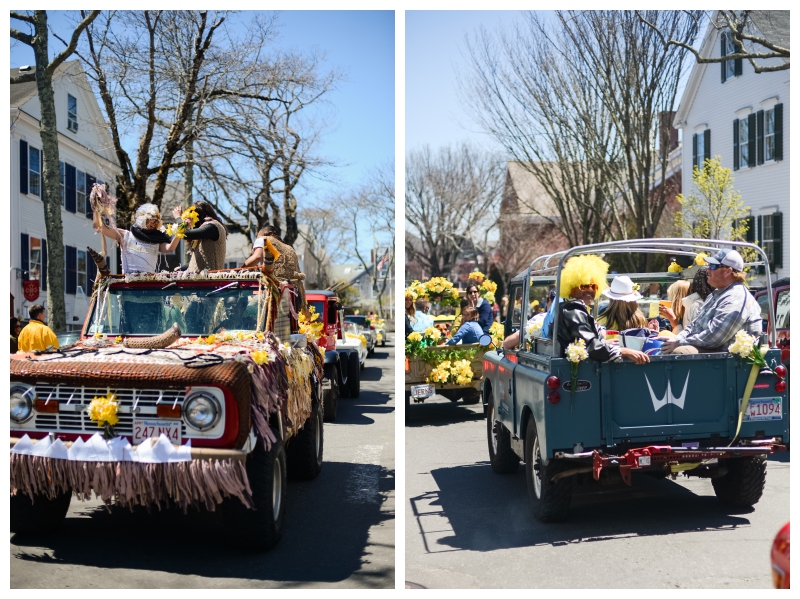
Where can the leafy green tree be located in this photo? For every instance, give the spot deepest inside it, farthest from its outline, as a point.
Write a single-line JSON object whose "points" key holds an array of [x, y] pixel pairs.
{"points": [[713, 209]]}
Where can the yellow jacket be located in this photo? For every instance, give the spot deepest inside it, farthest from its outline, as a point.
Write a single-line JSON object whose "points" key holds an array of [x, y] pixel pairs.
{"points": [[36, 335]]}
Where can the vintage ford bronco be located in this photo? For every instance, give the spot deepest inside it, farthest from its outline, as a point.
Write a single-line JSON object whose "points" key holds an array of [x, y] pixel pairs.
{"points": [[178, 392], [678, 413]]}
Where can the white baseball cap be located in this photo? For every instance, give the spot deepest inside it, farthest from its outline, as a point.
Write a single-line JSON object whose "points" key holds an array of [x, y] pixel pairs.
{"points": [[730, 258]]}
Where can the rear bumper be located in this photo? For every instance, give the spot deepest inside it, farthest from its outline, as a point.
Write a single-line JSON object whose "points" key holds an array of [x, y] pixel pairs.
{"points": [[662, 458]]}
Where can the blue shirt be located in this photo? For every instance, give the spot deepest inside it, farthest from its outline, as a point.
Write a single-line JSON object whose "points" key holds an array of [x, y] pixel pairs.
{"points": [[422, 322], [548, 320], [469, 332]]}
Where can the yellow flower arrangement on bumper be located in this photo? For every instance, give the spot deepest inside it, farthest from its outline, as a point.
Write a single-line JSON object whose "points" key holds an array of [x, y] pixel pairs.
{"points": [[103, 410], [360, 337], [576, 353], [458, 372]]}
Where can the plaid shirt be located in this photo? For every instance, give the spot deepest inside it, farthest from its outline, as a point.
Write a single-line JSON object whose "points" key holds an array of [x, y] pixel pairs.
{"points": [[724, 313]]}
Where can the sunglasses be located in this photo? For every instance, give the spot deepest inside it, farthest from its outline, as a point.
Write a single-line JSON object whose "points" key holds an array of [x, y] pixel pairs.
{"points": [[716, 266], [589, 286]]}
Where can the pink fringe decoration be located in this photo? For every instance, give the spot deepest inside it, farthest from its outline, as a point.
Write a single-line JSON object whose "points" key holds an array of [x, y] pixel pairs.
{"points": [[198, 483]]}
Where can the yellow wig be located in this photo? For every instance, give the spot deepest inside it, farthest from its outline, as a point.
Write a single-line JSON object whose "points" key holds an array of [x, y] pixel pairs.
{"points": [[582, 270]]}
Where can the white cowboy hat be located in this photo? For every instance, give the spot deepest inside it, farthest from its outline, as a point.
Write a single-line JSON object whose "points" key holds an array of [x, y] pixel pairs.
{"points": [[622, 289]]}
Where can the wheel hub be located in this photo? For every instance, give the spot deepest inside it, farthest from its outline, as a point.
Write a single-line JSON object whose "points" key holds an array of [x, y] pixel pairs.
{"points": [[537, 469]]}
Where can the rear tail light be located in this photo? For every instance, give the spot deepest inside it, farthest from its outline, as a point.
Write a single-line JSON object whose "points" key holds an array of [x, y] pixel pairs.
{"points": [[371, 328], [554, 397], [780, 370], [407, 366], [780, 386], [553, 382]]}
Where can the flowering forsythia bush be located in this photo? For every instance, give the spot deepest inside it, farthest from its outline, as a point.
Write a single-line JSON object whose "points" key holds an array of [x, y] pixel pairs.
{"points": [[458, 372]]}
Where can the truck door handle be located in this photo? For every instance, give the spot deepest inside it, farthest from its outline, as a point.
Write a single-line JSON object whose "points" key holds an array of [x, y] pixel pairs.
{"points": [[509, 387]]}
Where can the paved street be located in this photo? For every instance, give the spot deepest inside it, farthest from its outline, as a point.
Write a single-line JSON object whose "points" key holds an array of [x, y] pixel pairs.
{"points": [[467, 527], [339, 531]]}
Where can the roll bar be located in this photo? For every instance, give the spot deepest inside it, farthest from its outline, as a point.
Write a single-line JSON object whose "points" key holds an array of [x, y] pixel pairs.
{"points": [[675, 245]]}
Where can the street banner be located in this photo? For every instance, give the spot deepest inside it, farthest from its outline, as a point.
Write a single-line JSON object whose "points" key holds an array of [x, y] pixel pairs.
{"points": [[30, 290]]}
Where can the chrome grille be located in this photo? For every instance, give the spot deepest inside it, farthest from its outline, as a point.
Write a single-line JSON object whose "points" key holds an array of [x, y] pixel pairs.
{"points": [[72, 416]]}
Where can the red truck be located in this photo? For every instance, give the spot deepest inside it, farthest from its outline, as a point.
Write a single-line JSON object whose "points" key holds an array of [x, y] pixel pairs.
{"points": [[780, 299], [342, 373]]}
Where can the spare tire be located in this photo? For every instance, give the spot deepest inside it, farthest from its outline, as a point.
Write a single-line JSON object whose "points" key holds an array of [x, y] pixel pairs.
{"points": [[353, 375]]}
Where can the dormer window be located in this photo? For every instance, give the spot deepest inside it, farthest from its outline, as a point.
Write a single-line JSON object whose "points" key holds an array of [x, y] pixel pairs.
{"points": [[72, 113]]}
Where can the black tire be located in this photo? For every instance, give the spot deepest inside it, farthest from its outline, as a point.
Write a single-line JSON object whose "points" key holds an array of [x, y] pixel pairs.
{"points": [[260, 529], [383, 341], [501, 457], [743, 484], [341, 370], [304, 450], [471, 396], [40, 515], [330, 397], [353, 375], [549, 501]]}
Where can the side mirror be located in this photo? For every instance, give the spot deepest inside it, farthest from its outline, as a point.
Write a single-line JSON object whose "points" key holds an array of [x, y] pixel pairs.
{"points": [[485, 340]]}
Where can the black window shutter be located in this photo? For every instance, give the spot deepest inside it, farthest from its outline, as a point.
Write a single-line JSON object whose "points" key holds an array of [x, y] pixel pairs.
{"points": [[736, 144], [91, 271], [71, 259], [707, 144], [777, 238], [722, 49], [23, 166], [43, 276], [24, 256], [760, 136], [737, 67], [751, 139], [694, 151], [778, 131], [89, 182], [759, 241], [750, 235], [70, 196]]}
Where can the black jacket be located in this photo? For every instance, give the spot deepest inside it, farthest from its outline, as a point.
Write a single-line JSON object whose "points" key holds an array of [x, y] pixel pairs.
{"points": [[575, 322]]}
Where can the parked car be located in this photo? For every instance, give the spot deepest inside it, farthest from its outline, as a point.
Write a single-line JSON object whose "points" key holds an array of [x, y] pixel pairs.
{"points": [[366, 328]]}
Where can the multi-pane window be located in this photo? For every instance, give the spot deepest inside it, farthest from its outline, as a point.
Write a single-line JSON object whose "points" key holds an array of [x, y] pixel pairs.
{"points": [[81, 271], [72, 113], [35, 259], [34, 171], [744, 147], [80, 191], [728, 49], [701, 151], [768, 236], [769, 134], [61, 181]]}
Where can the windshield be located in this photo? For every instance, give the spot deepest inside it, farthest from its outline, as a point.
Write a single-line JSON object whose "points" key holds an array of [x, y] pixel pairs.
{"points": [[197, 309], [359, 320], [319, 307]]}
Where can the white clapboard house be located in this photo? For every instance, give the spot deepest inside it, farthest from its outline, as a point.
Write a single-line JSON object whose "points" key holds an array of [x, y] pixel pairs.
{"points": [[729, 110], [86, 156]]}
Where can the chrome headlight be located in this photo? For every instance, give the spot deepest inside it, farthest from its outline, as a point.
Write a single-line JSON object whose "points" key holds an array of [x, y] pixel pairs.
{"points": [[22, 397], [201, 410]]}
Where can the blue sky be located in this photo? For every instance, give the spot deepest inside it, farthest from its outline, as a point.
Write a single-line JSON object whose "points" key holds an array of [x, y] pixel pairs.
{"points": [[360, 43], [435, 50]]}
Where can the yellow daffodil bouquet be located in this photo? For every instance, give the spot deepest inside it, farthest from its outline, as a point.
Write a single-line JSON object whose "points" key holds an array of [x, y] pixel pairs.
{"points": [[746, 347], [439, 289], [488, 289], [576, 353], [189, 218], [458, 372], [103, 410], [310, 325], [496, 331]]}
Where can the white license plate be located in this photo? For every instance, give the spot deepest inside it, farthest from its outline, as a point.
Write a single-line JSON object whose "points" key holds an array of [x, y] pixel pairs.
{"points": [[763, 408], [422, 391], [147, 429]]}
